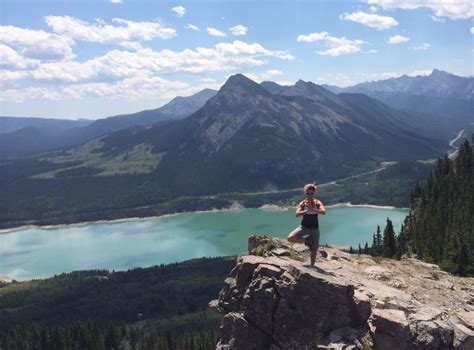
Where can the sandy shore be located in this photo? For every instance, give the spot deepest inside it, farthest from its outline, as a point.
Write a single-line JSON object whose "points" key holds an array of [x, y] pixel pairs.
{"points": [[349, 204], [235, 206]]}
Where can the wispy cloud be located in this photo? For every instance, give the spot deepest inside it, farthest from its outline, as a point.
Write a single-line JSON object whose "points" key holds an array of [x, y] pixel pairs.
{"points": [[335, 46], [453, 9], [215, 32], [371, 20], [179, 10], [422, 47], [239, 29], [193, 27], [398, 39], [438, 19], [116, 1]]}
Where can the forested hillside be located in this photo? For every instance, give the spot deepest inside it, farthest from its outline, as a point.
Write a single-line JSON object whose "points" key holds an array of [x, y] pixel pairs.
{"points": [[162, 307], [441, 229]]}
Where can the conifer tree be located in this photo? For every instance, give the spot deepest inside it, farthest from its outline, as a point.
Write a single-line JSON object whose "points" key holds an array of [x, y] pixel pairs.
{"points": [[389, 247], [378, 241]]}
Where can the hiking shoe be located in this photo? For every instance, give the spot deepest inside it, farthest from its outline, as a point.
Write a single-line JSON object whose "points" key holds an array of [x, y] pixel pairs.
{"points": [[308, 241]]}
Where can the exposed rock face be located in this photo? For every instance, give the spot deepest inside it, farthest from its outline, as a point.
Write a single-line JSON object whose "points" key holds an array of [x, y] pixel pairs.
{"points": [[346, 302]]}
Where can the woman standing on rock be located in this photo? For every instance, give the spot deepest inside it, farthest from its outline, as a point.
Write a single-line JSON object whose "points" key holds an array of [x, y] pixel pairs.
{"points": [[309, 208]]}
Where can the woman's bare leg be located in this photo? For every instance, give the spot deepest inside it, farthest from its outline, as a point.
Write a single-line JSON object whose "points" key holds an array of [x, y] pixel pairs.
{"points": [[295, 235], [313, 254], [295, 239]]}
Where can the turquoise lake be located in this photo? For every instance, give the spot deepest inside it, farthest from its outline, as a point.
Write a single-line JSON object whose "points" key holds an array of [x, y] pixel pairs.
{"points": [[37, 252]]}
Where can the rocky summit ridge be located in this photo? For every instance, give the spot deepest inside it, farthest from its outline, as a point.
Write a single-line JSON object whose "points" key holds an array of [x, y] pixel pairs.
{"points": [[273, 299]]}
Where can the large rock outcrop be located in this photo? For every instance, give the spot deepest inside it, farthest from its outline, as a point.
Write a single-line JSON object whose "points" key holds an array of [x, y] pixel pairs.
{"points": [[276, 300]]}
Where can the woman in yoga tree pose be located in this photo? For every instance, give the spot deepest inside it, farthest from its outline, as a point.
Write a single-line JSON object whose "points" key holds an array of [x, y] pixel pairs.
{"points": [[309, 208]]}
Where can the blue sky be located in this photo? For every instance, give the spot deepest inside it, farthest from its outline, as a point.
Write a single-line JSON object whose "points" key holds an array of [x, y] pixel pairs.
{"points": [[91, 59]]}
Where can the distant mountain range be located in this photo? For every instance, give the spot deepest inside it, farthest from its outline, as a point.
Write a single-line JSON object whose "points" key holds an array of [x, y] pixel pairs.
{"points": [[437, 84], [441, 103], [35, 135], [12, 124]]}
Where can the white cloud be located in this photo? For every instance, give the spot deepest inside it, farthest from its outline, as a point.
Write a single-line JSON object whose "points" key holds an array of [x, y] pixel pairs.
{"points": [[335, 46], [192, 26], [127, 74], [373, 9], [371, 20], [398, 39], [36, 44], [215, 32], [116, 1], [259, 77], [119, 65], [179, 10], [422, 47], [453, 9], [312, 37], [9, 75], [472, 30], [10, 59], [239, 29], [123, 32]]}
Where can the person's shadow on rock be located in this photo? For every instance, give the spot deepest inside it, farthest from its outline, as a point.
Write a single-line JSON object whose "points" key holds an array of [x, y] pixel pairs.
{"points": [[320, 270]]}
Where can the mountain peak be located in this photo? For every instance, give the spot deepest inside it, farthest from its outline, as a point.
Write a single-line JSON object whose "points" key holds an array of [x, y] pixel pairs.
{"points": [[439, 73], [239, 79], [239, 84]]}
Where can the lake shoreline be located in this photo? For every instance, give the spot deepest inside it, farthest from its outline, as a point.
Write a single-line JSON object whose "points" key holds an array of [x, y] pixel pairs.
{"points": [[234, 207]]}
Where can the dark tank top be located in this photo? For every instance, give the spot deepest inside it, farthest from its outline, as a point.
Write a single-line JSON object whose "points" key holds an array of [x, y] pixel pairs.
{"points": [[310, 220]]}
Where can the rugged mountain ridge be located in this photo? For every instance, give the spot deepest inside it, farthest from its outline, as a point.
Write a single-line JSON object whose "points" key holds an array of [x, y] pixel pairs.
{"points": [[247, 138], [265, 140], [440, 104], [277, 301], [437, 84]]}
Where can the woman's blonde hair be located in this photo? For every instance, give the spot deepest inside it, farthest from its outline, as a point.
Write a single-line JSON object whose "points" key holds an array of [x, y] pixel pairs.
{"points": [[308, 186]]}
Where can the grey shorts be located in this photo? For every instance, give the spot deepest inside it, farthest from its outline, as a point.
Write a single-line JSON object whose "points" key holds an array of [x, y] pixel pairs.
{"points": [[302, 232]]}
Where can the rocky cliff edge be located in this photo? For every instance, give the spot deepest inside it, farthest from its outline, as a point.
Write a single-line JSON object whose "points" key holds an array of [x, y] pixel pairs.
{"points": [[273, 299]]}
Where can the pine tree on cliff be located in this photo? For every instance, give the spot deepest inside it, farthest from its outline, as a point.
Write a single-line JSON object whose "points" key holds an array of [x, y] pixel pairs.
{"points": [[373, 248], [389, 246], [378, 241], [402, 239]]}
